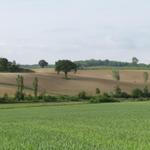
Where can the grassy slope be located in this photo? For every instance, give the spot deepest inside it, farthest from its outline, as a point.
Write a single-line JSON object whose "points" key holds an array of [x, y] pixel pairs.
{"points": [[123, 126]]}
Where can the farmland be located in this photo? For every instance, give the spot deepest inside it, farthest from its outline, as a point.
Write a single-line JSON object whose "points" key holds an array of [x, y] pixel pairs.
{"points": [[121, 126], [87, 80]]}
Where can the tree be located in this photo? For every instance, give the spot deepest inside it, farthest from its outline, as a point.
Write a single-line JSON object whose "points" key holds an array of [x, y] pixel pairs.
{"points": [[116, 75], [43, 63], [4, 63], [20, 87], [98, 91], [65, 66], [35, 86], [135, 61], [137, 93], [146, 77]]}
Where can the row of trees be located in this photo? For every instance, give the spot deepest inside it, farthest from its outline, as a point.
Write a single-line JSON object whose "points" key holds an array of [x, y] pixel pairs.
{"points": [[20, 88], [138, 92], [8, 66], [89, 63], [109, 63]]}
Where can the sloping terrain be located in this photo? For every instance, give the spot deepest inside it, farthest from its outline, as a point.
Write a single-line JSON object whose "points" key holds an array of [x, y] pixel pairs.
{"points": [[87, 80]]}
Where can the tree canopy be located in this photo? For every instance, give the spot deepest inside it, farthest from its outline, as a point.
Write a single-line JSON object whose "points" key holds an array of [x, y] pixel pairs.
{"points": [[65, 66], [43, 63]]}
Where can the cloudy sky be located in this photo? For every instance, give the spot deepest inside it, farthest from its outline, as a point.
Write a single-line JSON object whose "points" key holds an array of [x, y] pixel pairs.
{"points": [[74, 29]]}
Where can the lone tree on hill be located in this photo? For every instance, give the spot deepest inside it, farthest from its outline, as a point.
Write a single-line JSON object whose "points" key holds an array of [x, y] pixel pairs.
{"points": [[65, 66], [43, 63]]}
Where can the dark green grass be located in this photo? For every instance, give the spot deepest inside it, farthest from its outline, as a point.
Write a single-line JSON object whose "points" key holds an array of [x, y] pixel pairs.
{"points": [[119, 126]]}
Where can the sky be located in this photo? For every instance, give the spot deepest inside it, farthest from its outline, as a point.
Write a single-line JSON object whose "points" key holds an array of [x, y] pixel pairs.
{"points": [[31, 30]]}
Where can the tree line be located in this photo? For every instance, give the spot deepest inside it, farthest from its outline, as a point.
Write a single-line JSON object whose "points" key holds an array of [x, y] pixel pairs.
{"points": [[109, 63], [8, 66]]}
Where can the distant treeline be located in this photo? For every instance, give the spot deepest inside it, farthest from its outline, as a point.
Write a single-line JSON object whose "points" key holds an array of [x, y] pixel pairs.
{"points": [[109, 63], [35, 66], [8, 66]]}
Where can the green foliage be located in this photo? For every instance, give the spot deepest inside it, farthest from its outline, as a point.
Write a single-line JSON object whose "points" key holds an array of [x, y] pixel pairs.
{"points": [[20, 87], [65, 66], [146, 92], [135, 61], [98, 91], [35, 86], [109, 63], [137, 93], [116, 75], [19, 96], [105, 98], [7, 66], [43, 63], [118, 91], [146, 77], [82, 95]]}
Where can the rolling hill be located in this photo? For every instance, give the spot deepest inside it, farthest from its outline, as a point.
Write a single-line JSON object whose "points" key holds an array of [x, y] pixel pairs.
{"points": [[87, 80]]}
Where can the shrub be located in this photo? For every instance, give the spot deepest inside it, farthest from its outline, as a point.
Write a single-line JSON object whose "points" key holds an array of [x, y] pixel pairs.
{"points": [[118, 92], [125, 95], [137, 93], [105, 98], [48, 98], [5, 97], [98, 91], [29, 97], [146, 92], [82, 95], [19, 96]]}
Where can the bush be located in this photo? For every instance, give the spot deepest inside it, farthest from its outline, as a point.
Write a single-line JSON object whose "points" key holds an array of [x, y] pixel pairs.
{"points": [[29, 97], [82, 95], [105, 98], [118, 92], [125, 95], [5, 97], [98, 91], [19, 96], [137, 93], [146, 92], [48, 98]]}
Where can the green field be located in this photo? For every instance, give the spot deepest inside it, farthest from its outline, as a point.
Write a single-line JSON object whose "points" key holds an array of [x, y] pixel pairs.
{"points": [[119, 126]]}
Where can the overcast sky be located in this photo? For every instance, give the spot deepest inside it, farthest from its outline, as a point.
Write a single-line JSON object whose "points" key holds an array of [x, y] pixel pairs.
{"points": [[74, 29]]}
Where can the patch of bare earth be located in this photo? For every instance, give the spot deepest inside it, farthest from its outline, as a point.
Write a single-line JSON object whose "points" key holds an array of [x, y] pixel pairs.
{"points": [[87, 80]]}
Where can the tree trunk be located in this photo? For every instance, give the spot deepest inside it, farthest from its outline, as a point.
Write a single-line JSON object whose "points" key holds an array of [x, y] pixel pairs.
{"points": [[66, 75]]}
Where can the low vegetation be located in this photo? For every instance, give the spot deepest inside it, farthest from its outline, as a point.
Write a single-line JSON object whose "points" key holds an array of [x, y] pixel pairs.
{"points": [[118, 126]]}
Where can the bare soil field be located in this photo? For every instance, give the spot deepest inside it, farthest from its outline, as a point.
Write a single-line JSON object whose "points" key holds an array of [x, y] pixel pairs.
{"points": [[87, 80]]}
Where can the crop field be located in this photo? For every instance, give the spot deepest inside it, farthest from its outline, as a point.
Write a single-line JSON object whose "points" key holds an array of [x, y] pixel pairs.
{"points": [[119, 126], [87, 80]]}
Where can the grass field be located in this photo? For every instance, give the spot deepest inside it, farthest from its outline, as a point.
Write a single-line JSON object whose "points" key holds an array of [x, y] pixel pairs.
{"points": [[119, 126], [87, 80]]}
